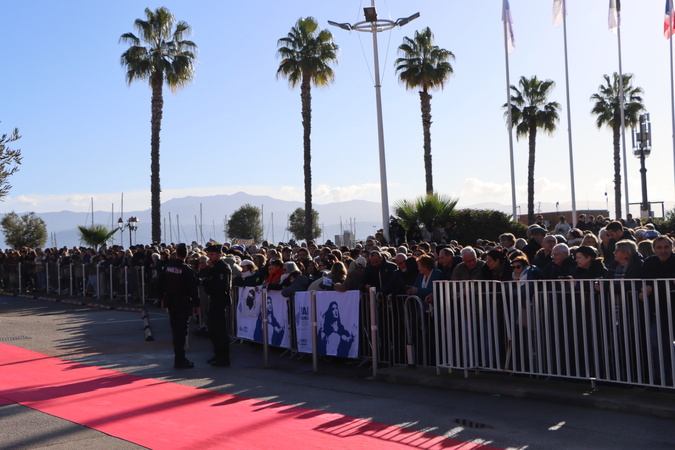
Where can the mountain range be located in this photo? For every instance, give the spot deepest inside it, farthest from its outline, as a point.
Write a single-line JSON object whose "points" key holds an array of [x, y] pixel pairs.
{"points": [[200, 219]]}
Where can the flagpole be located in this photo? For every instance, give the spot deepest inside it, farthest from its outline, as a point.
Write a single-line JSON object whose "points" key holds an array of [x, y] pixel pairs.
{"points": [[623, 123], [672, 89], [508, 109], [569, 117]]}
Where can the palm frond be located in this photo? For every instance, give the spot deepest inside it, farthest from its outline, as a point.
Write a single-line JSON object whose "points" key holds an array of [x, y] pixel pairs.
{"points": [[95, 235]]}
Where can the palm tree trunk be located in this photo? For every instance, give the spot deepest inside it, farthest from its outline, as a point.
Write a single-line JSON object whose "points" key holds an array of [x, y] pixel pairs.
{"points": [[617, 169], [157, 104], [306, 98], [425, 100], [530, 173]]}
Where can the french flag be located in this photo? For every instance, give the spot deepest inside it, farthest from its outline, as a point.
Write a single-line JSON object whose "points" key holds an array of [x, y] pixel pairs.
{"points": [[668, 20]]}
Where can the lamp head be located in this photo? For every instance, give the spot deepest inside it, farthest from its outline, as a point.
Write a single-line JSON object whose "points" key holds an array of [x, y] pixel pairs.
{"points": [[404, 20], [370, 13], [344, 26]]}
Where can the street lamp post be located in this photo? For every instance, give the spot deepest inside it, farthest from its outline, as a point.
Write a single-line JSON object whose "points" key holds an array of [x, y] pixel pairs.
{"points": [[374, 25], [131, 224], [642, 148]]}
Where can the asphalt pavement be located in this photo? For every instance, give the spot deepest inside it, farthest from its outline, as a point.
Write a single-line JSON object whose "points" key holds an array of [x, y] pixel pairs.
{"points": [[123, 336]]}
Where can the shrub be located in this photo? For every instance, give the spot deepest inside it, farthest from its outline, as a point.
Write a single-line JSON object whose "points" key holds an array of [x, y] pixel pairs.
{"points": [[474, 224]]}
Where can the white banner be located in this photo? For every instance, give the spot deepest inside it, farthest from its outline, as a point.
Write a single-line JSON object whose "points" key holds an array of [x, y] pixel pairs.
{"points": [[303, 322], [337, 323], [250, 319], [248, 310], [278, 332]]}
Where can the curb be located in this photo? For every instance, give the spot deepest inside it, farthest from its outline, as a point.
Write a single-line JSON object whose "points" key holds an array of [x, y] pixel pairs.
{"points": [[652, 402]]}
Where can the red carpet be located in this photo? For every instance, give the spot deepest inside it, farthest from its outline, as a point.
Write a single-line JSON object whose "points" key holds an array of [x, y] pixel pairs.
{"points": [[163, 415]]}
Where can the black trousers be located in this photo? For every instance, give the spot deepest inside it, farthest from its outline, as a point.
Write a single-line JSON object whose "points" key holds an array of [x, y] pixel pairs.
{"points": [[219, 329], [179, 317]]}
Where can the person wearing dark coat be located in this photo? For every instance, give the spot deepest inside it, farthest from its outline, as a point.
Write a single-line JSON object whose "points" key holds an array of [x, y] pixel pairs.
{"points": [[447, 261], [616, 233], [428, 273], [405, 275], [497, 266], [627, 262], [537, 234], [660, 265], [177, 286], [380, 273], [298, 283], [250, 275], [217, 284], [543, 257], [563, 265], [589, 267]]}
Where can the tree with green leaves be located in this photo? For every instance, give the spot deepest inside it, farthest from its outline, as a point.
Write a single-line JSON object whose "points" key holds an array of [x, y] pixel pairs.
{"points": [[474, 224], [296, 224], [245, 223], [531, 111], [306, 54], [607, 109], [29, 230], [10, 160], [159, 54], [667, 223], [426, 67], [424, 211], [95, 235]]}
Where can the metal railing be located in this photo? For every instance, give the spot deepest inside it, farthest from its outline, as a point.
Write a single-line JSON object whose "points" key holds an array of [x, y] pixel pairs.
{"points": [[598, 330], [619, 331], [80, 280]]}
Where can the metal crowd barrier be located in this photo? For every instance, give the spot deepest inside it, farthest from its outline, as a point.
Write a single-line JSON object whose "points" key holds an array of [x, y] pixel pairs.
{"points": [[405, 331], [398, 331], [596, 330], [80, 280]]}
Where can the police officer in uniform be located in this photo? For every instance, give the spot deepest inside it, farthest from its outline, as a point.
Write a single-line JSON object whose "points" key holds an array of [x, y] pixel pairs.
{"points": [[217, 284], [178, 289]]}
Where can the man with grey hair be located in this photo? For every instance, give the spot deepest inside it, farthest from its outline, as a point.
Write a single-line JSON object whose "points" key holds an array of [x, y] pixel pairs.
{"points": [[562, 265], [471, 268], [406, 271]]}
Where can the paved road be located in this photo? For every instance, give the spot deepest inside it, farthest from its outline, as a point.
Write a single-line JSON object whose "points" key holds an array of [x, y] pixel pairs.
{"points": [[114, 339]]}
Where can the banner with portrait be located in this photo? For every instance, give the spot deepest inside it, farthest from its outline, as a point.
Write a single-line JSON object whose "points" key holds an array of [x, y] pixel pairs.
{"points": [[248, 310], [250, 317], [337, 323]]}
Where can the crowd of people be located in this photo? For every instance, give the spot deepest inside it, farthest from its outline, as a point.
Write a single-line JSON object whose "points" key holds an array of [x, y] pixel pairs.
{"points": [[595, 248]]}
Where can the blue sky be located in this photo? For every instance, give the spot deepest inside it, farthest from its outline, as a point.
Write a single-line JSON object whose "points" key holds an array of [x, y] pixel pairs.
{"points": [[237, 128]]}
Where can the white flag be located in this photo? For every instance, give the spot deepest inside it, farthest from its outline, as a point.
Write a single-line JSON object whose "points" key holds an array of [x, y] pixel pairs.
{"points": [[508, 20], [558, 7], [614, 15]]}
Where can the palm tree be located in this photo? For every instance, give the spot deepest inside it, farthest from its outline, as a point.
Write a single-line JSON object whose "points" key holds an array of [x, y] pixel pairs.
{"points": [[424, 210], [424, 66], [95, 235], [530, 111], [305, 57], [165, 58], [607, 108]]}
